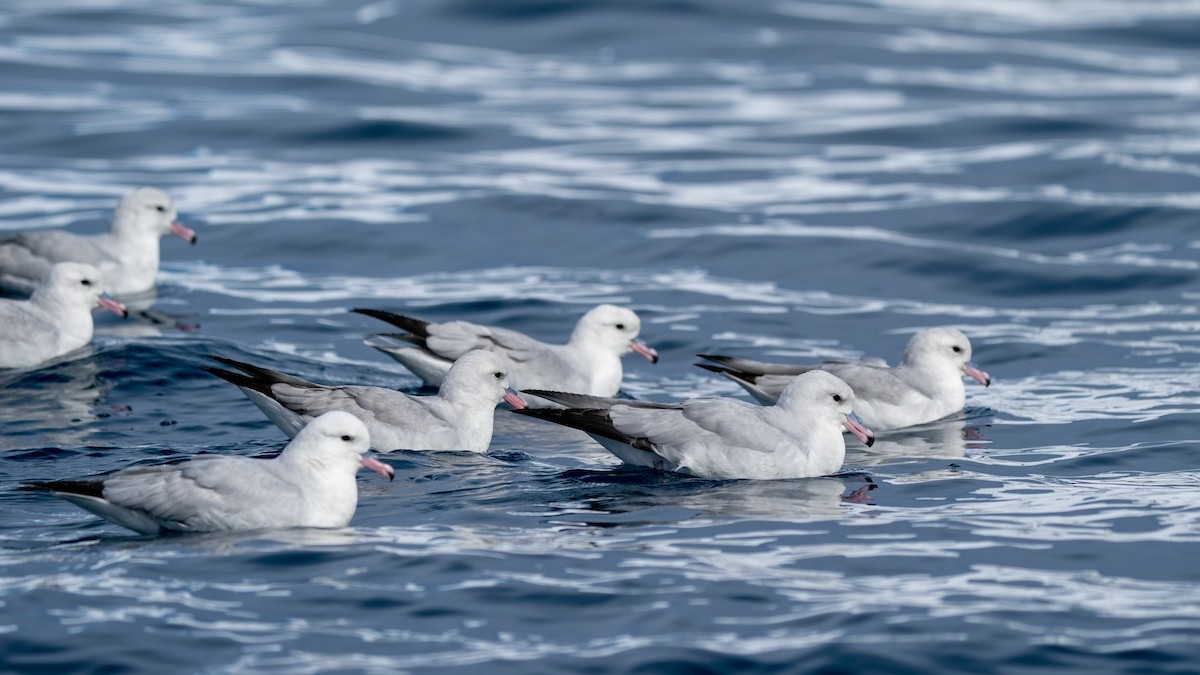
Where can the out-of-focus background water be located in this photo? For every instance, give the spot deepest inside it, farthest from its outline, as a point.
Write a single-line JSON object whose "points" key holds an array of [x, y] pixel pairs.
{"points": [[780, 179]]}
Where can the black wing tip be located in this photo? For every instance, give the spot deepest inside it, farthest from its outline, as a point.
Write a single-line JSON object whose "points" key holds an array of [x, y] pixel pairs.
{"points": [[573, 401], [233, 363], [567, 417], [715, 357], [381, 314], [418, 327], [258, 373], [549, 414], [86, 488], [590, 421], [240, 379], [253, 378], [733, 373], [545, 392]]}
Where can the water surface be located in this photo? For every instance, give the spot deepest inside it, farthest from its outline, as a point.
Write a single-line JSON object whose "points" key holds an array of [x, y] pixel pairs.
{"points": [[789, 180]]}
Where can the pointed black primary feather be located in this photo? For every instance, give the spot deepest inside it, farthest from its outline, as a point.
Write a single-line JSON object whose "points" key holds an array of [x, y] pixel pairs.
{"points": [[747, 377], [417, 327], [739, 367], [240, 380], [592, 402], [256, 378], [590, 421], [86, 488]]}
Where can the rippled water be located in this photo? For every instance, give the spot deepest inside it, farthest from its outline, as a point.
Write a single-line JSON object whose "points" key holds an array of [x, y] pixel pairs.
{"points": [[790, 179]]}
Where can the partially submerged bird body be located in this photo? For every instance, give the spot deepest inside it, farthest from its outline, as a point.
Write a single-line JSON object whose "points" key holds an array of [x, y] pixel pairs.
{"points": [[927, 385], [310, 484], [55, 320], [146, 499], [459, 417], [722, 438], [590, 362], [127, 255]]}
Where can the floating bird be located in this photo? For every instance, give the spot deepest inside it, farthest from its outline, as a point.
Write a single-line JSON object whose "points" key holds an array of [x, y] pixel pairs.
{"points": [[590, 362], [926, 386], [722, 438], [127, 255], [56, 319], [310, 484], [459, 417]]}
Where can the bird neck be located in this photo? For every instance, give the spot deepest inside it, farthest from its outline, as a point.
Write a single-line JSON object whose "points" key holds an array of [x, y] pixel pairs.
{"points": [[132, 236], [937, 380], [320, 467], [469, 401], [52, 300]]}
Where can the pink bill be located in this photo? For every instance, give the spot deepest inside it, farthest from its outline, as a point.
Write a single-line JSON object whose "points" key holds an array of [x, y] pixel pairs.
{"points": [[511, 398], [184, 232], [112, 305], [854, 425], [645, 350], [378, 467], [976, 374]]}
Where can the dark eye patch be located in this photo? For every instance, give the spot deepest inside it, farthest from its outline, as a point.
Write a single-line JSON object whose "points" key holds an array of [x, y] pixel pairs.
{"points": [[620, 326], [837, 397], [86, 282], [160, 208], [499, 375], [347, 437], [957, 349]]}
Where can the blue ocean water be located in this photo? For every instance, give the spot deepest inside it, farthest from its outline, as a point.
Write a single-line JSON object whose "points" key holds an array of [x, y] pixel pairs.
{"points": [[780, 179]]}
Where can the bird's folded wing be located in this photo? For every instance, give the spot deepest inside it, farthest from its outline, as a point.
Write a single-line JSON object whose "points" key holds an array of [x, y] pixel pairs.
{"points": [[21, 268], [18, 322], [201, 491], [873, 382], [454, 338], [51, 246], [739, 425], [690, 424], [391, 407], [366, 403]]}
